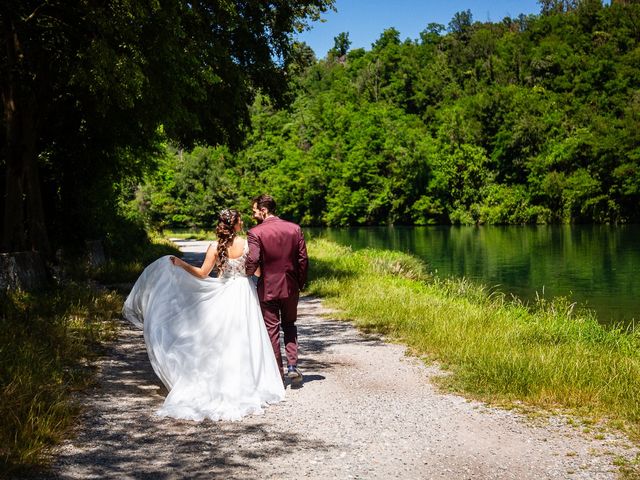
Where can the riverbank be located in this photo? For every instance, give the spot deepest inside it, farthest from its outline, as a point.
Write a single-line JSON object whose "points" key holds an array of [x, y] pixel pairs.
{"points": [[597, 266], [481, 340], [367, 410], [548, 356]]}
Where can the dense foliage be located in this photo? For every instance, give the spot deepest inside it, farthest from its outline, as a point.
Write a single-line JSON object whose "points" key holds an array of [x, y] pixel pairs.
{"points": [[89, 89], [534, 119]]}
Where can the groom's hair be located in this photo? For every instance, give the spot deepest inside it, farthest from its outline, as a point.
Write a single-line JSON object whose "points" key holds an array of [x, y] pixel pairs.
{"points": [[265, 201]]}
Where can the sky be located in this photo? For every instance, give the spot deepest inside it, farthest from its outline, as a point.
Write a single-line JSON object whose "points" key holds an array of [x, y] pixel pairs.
{"points": [[365, 20]]}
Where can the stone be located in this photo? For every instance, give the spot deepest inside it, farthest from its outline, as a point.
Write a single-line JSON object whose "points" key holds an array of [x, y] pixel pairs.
{"points": [[95, 253], [22, 270]]}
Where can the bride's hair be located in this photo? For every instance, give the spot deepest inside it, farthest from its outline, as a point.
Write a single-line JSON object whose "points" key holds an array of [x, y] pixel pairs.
{"points": [[227, 220]]}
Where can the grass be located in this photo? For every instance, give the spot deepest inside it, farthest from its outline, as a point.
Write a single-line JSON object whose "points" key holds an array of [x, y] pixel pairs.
{"points": [[127, 271], [189, 234], [47, 343], [550, 355], [628, 469]]}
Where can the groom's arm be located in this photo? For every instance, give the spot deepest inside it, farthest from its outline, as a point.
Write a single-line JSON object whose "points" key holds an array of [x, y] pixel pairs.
{"points": [[253, 259], [303, 260]]}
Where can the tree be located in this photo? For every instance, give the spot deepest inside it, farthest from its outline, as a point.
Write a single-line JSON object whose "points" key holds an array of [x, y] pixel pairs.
{"points": [[557, 6], [432, 34], [341, 44], [86, 86], [527, 120], [389, 37], [302, 57], [461, 23]]}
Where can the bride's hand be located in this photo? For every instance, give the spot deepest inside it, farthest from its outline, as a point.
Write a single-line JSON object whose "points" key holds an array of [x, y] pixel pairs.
{"points": [[174, 260]]}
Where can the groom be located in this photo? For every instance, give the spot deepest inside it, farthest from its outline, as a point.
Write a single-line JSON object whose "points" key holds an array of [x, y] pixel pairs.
{"points": [[278, 248]]}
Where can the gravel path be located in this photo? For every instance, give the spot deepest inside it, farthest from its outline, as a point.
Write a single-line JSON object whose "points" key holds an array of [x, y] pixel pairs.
{"points": [[366, 411]]}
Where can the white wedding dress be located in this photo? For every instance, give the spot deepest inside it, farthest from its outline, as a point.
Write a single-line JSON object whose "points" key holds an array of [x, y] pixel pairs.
{"points": [[206, 341]]}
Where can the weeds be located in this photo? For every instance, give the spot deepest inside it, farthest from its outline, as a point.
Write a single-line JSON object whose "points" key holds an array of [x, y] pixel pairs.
{"points": [[46, 343]]}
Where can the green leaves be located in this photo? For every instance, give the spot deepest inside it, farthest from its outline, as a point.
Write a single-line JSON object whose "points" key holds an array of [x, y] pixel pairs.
{"points": [[92, 82], [189, 189], [527, 120]]}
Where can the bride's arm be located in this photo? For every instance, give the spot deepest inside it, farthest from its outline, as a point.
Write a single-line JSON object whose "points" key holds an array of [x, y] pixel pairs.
{"points": [[205, 269]]}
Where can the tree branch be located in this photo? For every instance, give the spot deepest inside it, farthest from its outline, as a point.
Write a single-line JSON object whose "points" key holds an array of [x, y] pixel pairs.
{"points": [[36, 12]]}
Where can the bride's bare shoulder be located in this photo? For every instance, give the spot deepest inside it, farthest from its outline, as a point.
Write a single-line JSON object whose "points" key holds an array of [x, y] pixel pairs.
{"points": [[239, 241]]}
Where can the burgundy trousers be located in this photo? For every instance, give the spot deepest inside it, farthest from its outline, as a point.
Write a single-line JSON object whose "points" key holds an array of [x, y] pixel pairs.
{"points": [[282, 313]]}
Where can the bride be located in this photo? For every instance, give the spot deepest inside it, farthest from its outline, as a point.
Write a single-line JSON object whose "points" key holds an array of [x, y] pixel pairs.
{"points": [[205, 337]]}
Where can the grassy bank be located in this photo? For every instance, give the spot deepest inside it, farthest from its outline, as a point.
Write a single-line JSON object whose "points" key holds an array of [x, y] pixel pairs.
{"points": [[47, 342], [126, 270], [189, 234], [547, 355]]}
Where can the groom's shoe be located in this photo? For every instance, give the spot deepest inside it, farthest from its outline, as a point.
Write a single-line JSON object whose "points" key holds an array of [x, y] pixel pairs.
{"points": [[295, 376]]}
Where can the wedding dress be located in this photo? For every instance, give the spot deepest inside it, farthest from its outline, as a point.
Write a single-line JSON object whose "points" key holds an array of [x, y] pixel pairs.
{"points": [[206, 341]]}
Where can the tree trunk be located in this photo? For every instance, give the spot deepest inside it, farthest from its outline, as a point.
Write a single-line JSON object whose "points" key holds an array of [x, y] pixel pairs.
{"points": [[23, 224], [38, 238]]}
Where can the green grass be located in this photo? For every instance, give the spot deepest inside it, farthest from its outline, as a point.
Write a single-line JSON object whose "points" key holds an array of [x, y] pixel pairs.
{"points": [[127, 271], [189, 234], [628, 469], [549, 355], [46, 342]]}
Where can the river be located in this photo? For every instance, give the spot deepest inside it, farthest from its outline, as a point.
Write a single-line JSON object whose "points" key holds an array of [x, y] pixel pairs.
{"points": [[597, 266]]}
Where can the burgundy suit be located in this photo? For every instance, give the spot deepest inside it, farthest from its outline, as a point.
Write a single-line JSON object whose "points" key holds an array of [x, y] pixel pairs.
{"points": [[279, 249]]}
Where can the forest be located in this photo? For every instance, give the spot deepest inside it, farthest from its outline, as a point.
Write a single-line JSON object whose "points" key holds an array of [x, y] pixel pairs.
{"points": [[526, 120], [123, 119], [92, 91]]}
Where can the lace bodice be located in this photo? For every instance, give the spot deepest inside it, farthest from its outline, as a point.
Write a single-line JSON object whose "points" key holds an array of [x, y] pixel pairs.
{"points": [[235, 267]]}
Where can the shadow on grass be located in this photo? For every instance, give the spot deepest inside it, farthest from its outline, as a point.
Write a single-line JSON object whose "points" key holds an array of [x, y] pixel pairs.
{"points": [[321, 269]]}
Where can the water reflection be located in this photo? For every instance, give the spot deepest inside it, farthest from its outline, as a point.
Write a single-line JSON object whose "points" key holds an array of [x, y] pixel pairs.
{"points": [[595, 265]]}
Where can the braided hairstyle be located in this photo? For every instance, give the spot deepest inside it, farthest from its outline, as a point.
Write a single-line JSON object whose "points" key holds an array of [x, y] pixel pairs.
{"points": [[227, 220]]}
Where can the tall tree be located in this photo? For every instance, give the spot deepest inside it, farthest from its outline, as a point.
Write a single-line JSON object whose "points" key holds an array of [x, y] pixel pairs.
{"points": [[86, 86], [341, 44], [557, 6]]}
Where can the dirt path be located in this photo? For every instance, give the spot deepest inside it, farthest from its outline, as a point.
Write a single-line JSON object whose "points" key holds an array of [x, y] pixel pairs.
{"points": [[365, 411]]}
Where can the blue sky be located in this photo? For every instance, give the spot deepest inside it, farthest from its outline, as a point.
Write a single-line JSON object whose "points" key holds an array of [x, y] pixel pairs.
{"points": [[365, 20]]}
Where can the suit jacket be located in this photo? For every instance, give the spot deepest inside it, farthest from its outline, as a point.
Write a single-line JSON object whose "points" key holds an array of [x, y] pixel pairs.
{"points": [[278, 247]]}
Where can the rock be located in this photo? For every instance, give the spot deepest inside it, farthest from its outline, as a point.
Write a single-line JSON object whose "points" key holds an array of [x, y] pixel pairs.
{"points": [[95, 253], [22, 270]]}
